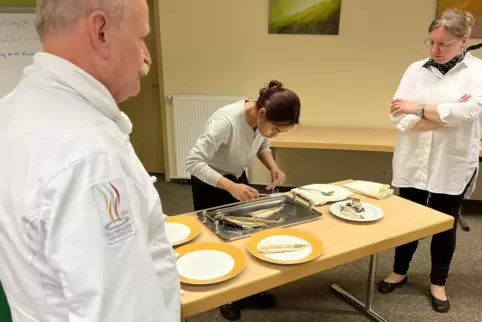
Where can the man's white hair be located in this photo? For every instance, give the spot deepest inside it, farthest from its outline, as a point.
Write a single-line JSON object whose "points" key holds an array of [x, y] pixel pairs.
{"points": [[57, 15]]}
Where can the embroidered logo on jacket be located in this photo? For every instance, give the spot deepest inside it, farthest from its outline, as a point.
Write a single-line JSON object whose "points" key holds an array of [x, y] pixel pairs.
{"points": [[112, 205]]}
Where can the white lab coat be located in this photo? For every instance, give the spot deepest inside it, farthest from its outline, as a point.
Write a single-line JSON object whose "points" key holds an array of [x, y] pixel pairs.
{"points": [[82, 235], [443, 160]]}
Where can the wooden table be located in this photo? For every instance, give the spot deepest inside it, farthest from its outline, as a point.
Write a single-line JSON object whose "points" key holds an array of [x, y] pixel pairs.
{"points": [[350, 139], [344, 242], [335, 138]]}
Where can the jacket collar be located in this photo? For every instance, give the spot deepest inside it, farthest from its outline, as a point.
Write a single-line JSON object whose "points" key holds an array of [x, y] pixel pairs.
{"points": [[79, 82]]}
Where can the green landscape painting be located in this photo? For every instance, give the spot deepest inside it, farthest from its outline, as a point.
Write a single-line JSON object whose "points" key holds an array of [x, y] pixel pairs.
{"points": [[315, 17]]}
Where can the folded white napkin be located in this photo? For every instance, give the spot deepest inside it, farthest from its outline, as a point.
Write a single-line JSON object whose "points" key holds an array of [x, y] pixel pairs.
{"points": [[313, 193], [370, 189], [316, 198]]}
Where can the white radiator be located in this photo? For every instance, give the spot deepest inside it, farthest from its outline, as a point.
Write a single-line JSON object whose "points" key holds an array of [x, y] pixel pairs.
{"points": [[190, 114]]}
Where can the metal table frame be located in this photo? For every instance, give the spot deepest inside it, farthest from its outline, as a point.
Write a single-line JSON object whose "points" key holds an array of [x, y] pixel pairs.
{"points": [[365, 307]]}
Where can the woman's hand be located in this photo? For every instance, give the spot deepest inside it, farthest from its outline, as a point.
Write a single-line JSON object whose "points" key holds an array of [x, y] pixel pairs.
{"points": [[401, 106], [243, 192], [277, 178]]}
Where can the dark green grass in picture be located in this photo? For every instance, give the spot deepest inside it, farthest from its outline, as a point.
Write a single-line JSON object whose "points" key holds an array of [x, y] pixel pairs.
{"points": [[315, 17], [19, 3]]}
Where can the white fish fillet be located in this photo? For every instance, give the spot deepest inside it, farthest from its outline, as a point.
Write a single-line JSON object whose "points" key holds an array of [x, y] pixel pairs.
{"points": [[350, 212], [284, 248], [265, 213]]}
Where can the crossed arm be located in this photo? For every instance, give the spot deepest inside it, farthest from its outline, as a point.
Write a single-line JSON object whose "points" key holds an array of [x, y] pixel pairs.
{"points": [[405, 111]]}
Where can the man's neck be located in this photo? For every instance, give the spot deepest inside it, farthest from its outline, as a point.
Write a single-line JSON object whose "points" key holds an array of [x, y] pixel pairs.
{"points": [[72, 50]]}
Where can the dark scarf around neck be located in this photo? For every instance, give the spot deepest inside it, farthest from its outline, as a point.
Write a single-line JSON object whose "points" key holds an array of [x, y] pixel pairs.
{"points": [[445, 68]]}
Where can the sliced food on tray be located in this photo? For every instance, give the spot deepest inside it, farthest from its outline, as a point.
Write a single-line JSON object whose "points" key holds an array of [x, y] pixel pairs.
{"points": [[265, 213], [246, 222]]}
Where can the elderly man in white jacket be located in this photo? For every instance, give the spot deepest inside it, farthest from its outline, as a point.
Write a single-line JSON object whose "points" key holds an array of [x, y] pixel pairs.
{"points": [[82, 234]]}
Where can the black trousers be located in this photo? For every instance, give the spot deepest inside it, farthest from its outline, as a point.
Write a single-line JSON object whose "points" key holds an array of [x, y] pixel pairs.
{"points": [[443, 244], [206, 196]]}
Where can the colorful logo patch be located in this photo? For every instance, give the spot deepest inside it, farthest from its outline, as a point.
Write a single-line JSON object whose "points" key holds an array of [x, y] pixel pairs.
{"points": [[112, 205]]}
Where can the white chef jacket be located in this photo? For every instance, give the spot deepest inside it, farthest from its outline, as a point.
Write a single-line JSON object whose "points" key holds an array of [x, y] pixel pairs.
{"points": [[82, 235], [442, 160]]}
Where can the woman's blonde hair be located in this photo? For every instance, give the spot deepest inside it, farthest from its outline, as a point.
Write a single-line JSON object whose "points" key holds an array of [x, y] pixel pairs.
{"points": [[55, 15], [458, 22]]}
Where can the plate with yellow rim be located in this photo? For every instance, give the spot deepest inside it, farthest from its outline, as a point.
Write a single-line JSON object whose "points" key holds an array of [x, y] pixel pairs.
{"points": [[209, 262], [181, 229], [285, 246]]}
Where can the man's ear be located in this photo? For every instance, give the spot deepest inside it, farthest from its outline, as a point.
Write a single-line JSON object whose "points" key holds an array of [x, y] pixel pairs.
{"points": [[97, 26]]}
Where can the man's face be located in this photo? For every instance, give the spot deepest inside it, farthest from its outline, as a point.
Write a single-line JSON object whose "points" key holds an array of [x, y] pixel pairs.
{"points": [[127, 52]]}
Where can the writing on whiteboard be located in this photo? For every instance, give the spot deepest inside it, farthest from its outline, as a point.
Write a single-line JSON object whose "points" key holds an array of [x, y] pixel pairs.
{"points": [[17, 23], [14, 54], [19, 42], [14, 39]]}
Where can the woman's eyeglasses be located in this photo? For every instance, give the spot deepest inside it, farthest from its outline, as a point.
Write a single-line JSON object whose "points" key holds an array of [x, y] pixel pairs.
{"points": [[429, 44]]}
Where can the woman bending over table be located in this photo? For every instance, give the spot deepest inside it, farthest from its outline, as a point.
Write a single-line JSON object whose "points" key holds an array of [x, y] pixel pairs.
{"points": [[436, 108], [233, 135]]}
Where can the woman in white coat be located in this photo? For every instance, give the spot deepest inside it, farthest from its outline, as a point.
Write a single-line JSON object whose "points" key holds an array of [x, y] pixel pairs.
{"points": [[436, 108]]}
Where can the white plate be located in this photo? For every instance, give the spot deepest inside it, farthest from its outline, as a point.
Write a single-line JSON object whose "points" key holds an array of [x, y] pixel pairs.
{"points": [[371, 213], [286, 239], [176, 232], [203, 265], [313, 191]]}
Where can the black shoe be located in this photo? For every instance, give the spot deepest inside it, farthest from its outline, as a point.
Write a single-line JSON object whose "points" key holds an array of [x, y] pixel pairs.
{"points": [[261, 300], [439, 305], [231, 312], [385, 287]]}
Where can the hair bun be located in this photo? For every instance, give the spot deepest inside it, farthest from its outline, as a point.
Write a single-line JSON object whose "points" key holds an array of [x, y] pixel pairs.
{"points": [[470, 19], [274, 84]]}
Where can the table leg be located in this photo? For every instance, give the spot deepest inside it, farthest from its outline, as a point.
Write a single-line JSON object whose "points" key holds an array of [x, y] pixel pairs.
{"points": [[367, 306], [463, 223]]}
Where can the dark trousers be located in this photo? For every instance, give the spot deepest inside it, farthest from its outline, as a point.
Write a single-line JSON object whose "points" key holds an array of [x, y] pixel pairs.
{"points": [[442, 247], [206, 196]]}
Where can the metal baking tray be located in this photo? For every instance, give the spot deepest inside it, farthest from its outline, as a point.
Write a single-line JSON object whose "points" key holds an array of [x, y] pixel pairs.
{"points": [[293, 212]]}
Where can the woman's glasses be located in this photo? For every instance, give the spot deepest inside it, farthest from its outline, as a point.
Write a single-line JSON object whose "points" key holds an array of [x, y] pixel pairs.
{"points": [[429, 44]]}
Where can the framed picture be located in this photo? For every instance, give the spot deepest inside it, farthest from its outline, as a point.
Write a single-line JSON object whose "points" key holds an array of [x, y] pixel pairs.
{"points": [[314, 17], [18, 3], [473, 6]]}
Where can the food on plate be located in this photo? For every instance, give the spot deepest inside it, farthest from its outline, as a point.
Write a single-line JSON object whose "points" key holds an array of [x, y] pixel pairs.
{"points": [[246, 222], [352, 209], [280, 248], [265, 213]]}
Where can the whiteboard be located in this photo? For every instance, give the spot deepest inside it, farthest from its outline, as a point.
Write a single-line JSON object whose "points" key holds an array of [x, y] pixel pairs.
{"points": [[18, 43]]}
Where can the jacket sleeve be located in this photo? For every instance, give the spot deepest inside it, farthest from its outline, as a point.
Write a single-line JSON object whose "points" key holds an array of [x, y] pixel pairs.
{"points": [[455, 114], [95, 241], [404, 122], [216, 134]]}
